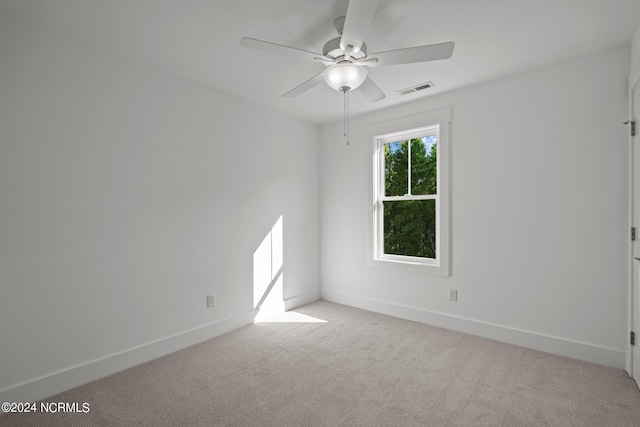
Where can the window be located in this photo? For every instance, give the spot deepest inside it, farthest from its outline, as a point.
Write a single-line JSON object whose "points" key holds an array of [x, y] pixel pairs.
{"points": [[410, 211]]}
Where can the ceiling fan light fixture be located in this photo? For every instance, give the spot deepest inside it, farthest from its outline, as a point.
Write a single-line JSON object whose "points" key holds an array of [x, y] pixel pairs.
{"points": [[344, 75]]}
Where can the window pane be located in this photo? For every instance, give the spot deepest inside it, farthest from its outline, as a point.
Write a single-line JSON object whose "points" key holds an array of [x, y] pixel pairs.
{"points": [[424, 166], [396, 155], [410, 228]]}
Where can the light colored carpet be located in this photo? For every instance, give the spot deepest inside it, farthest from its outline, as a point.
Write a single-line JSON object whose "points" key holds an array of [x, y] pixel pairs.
{"points": [[357, 369]]}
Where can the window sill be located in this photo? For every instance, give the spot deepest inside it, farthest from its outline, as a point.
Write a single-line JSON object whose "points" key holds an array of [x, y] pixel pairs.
{"points": [[431, 267]]}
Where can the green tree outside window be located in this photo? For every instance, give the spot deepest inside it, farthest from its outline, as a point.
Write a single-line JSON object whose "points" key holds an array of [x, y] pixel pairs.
{"points": [[410, 170]]}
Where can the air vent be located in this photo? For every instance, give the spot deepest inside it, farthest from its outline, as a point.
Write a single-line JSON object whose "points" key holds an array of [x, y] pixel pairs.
{"points": [[416, 88]]}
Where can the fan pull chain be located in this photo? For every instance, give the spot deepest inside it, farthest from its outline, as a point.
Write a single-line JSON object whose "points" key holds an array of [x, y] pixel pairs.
{"points": [[346, 114]]}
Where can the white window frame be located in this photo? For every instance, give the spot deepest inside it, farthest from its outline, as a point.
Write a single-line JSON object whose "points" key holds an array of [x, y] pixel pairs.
{"points": [[439, 121]]}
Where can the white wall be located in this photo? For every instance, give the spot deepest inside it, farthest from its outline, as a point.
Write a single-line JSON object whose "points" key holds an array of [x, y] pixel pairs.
{"points": [[539, 212], [127, 195]]}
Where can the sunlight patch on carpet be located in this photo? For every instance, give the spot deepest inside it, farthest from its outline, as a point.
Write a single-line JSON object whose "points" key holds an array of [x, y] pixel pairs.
{"points": [[291, 317]]}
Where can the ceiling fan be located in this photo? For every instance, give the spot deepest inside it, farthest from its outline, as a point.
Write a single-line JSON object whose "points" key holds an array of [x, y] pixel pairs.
{"points": [[346, 56]]}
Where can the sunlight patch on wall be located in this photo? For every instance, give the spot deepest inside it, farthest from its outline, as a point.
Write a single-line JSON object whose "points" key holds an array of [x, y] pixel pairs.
{"points": [[268, 276]]}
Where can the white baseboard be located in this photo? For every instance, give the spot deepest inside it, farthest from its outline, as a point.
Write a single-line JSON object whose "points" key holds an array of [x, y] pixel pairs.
{"points": [[75, 376], [564, 347], [300, 300], [66, 379], [277, 307]]}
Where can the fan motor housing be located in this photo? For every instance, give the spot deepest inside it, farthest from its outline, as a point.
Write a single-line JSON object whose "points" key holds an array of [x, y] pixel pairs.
{"points": [[331, 49]]}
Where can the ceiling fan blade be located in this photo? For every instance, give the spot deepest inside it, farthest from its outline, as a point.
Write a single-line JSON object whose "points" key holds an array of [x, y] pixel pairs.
{"points": [[360, 13], [368, 62], [278, 48], [371, 91], [324, 60], [300, 89], [431, 52]]}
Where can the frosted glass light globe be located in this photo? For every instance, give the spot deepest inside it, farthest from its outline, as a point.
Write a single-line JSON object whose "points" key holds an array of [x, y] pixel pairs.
{"points": [[344, 75]]}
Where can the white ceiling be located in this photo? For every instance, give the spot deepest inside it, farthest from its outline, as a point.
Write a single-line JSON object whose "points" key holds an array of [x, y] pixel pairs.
{"points": [[200, 40]]}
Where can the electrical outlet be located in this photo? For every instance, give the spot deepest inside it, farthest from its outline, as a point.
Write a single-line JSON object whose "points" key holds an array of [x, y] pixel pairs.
{"points": [[453, 294], [211, 300]]}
